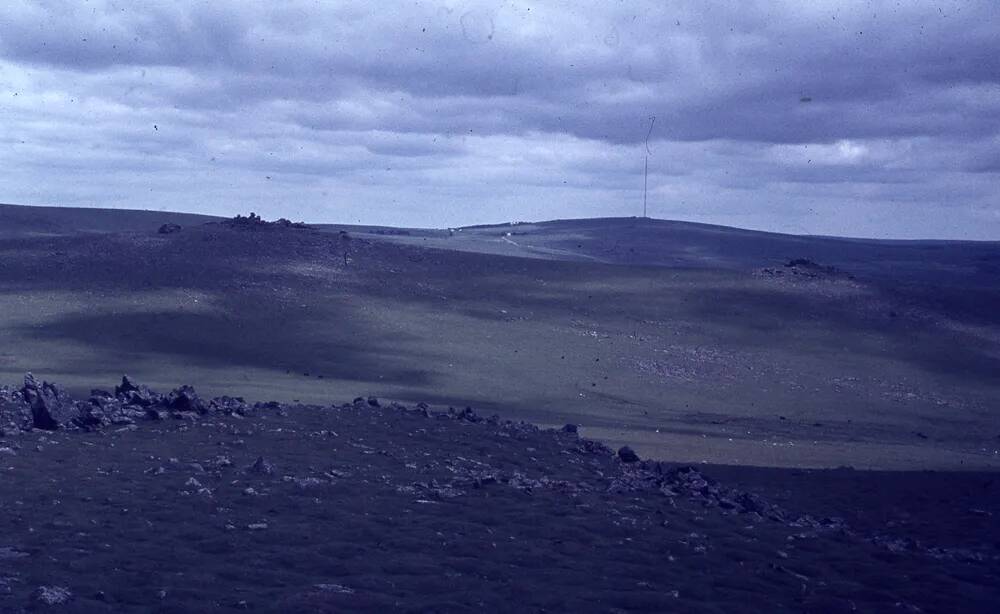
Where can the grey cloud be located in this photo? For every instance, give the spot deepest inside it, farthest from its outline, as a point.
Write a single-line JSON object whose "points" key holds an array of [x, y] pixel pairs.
{"points": [[556, 97], [758, 65]]}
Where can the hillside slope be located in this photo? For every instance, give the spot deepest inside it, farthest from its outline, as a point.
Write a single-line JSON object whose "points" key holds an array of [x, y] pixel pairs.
{"points": [[796, 367], [651, 242], [20, 220]]}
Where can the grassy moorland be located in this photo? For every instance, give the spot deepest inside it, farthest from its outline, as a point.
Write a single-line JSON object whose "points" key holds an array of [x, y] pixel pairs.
{"points": [[688, 342], [363, 509], [889, 361]]}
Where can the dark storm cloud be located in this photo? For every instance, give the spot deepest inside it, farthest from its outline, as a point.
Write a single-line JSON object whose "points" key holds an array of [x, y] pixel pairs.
{"points": [[458, 95]]}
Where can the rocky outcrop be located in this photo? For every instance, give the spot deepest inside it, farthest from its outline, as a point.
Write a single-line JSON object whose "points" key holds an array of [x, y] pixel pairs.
{"points": [[254, 221], [185, 399], [627, 455], [12, 412], [45, 406], [804, 269], [49, 406], [130, 393], [168, 229]]}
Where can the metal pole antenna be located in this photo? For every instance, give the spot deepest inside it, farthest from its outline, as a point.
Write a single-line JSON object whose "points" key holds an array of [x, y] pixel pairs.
{"points": [[645, 183], [645, 169]]}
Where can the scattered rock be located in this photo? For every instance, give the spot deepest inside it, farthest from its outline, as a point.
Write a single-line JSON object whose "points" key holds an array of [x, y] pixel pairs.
{"points": [[627, 455], [335, 588], [270, 406], [8, 553], [468, 414], [229, 405], [305, 483], [52, 595], [167, 229], [185, 399], [804, 269], [261, 467]]}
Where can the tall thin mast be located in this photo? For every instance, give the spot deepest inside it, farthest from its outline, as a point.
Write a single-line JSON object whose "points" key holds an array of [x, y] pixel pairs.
{"points": [[645, 169]]}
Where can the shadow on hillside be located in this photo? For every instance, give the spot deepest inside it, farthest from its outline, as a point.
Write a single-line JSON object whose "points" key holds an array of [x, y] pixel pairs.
{"points": [[251, 272], [842, 324], [737, 310], [211, 340]]}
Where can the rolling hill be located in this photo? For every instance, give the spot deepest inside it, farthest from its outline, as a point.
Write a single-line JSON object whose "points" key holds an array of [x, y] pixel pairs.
{"points": [[689, 342]]}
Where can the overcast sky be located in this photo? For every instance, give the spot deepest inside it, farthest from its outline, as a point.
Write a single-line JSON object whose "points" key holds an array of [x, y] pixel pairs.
{"points": [[855, 118]]}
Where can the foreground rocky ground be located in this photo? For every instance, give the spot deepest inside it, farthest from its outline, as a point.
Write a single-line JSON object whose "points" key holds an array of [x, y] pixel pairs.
{"points": [[132, 501]]}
